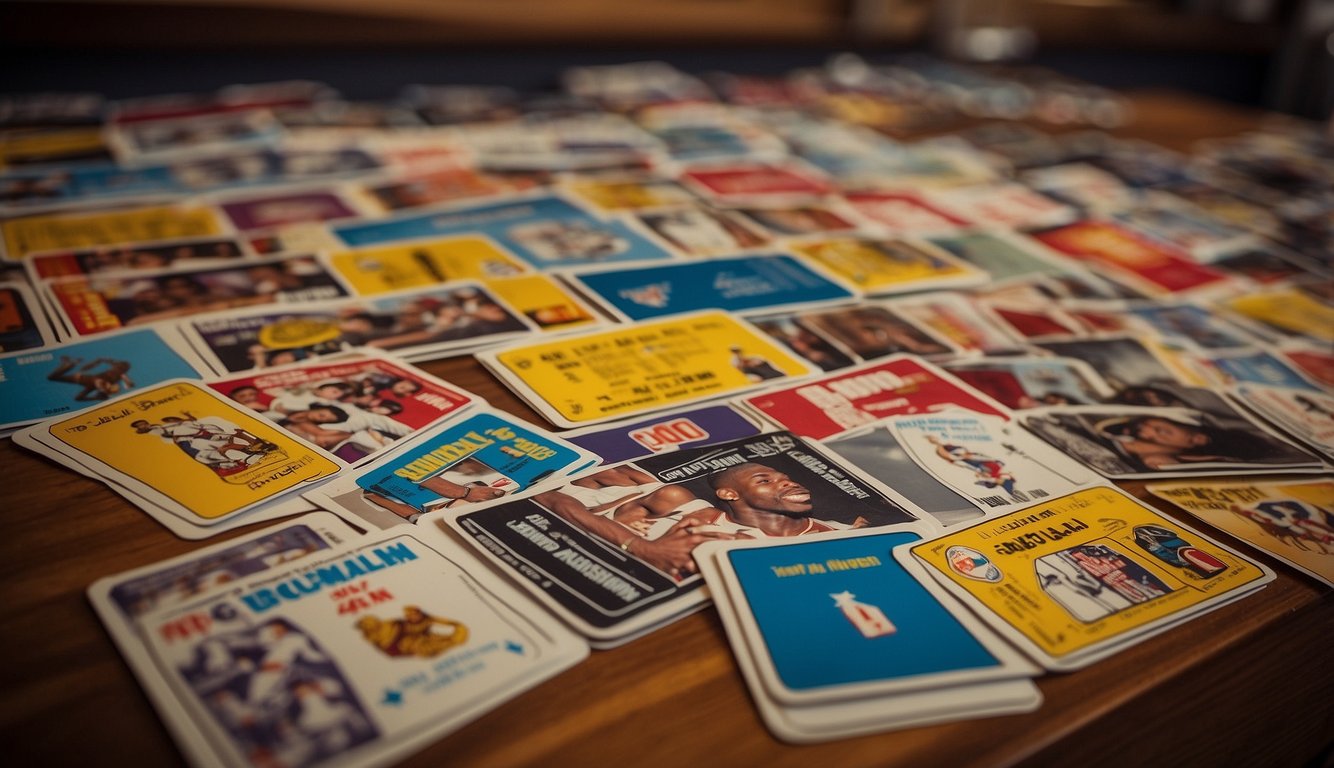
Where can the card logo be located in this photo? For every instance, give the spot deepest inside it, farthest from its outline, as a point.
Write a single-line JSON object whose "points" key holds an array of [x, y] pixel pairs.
{"points": [[655, 295], [971, 564], [868, 619]]}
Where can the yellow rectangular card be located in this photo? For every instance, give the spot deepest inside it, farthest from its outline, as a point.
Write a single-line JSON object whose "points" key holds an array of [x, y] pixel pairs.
{"points": [[429, 262], [72, 231], [183, 444], [1081, 576], [594, 377]]}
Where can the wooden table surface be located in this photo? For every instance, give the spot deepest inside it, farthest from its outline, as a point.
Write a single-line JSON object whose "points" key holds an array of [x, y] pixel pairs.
{"points": [[1248, 684]]}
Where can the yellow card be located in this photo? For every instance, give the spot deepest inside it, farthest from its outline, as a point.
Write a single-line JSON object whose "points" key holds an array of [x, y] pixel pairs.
{"points": [[1077, 577], [417, 265], [544, 300], [1293, 521], [890, 266], [623, 195], [50, 145], [1289, 310], [183, 442], [70, 231], [613, 374]]}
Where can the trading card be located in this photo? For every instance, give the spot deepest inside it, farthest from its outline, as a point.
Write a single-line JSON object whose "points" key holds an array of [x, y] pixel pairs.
{"points": [[875, 451], [1032, 323], [738, 284], [1193, 231], [1286, 311], [1266, 264], [545, 231], [1144, 263], [1301, 413], [547, 302], [359, 654], [1292, 521], [853, 717], [750, 182], [415, 324], [353, 407], [376, 270], [72, 231], [870, 331], [53, 187], [611, 550], [786, 329], [628, 194], [1121, 361], [121, 599], [905, 213], [276, 210], [885, 267], [836, 619], [822, 407], [955, 318], [671, 431], [102, 302], [1126, 441], [187, 451], [155, 140], [140, 257], [23, 325], [700, 231], [1006, 256], [39, 384], [1020, 383], [623, 372], [1191, 324], [42, 146], [800, 220], [987, 459], [1314, 361], [475, 458], [1273, 369], [435, 187], [1008, 205], [1082, 185], [1077, 578]]}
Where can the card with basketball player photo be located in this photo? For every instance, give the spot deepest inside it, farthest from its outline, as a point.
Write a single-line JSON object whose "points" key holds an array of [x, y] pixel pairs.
{"points": [[1074, 579], [478, 457], [602, 376], [825, 406], [65, 231], [189, 457], [1292, 520], [41, 383], [353, 407], [835, 637], [610, 550], [1033, 382], [359, 653], [120, 600]]}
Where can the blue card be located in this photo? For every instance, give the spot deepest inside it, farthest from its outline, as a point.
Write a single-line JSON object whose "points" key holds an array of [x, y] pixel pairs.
{"points": [[544, 231], [38, 384], [737, 284], [841, 617]]}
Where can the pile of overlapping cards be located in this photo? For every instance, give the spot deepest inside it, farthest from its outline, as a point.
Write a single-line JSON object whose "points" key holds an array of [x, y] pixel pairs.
{"points": [[869, 395]]}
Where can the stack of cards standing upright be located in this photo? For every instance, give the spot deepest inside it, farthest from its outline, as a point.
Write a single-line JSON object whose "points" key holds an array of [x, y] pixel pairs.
{"points": [[835, 638]]}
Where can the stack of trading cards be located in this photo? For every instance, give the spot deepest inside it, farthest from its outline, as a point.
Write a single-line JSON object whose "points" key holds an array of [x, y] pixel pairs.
{"points": [[306, 643], [610, 551], [835, 637]]}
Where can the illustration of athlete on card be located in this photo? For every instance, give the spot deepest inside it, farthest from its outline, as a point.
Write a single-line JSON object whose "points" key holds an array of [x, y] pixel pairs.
{"points": [[1092, 581], [413, 635], [214, 442], [991, 473], [97, 384]]}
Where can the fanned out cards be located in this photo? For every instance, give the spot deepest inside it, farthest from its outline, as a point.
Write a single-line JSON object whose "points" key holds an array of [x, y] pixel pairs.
{"points": [[324, 648], [193, 460], [1077, 578], [610, 551], [484, 455], [625, 372], [1292, 520], [835, 637]]}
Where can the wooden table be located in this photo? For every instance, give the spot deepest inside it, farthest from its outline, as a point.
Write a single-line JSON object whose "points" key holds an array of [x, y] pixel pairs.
{"points": [[1248, 684]]}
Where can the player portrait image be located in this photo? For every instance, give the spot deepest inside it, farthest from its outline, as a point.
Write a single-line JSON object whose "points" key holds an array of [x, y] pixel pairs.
{"points": [[787, 330], [1093, 581], [275, 691], [701, 231], [212, 441]]}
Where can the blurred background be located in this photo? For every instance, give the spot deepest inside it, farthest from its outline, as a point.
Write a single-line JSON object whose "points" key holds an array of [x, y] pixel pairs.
{"points": [[1276, 54]]}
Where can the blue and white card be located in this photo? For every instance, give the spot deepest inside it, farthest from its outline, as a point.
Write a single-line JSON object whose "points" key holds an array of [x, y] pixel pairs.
{"points": [[41, 383], [546, 231], [766, 282]]}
